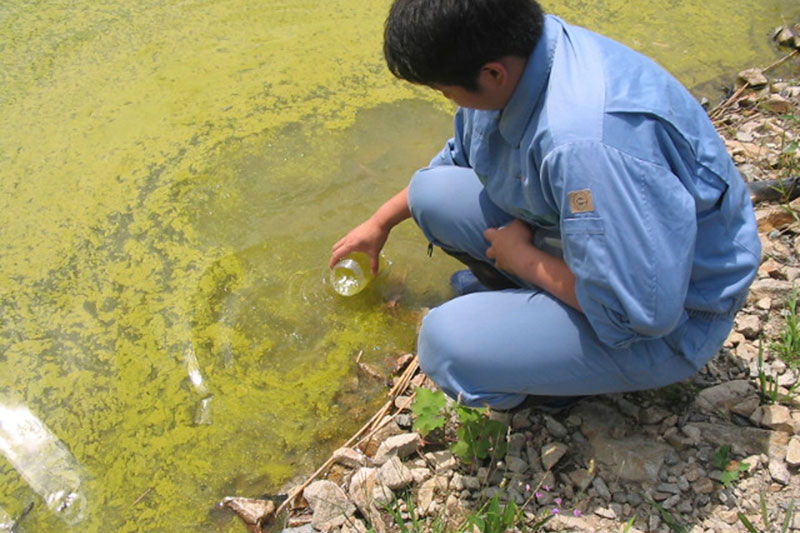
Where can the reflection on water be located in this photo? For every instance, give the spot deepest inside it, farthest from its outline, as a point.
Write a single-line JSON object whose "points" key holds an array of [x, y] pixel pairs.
{"points": [[43, 461], [172, 176]]}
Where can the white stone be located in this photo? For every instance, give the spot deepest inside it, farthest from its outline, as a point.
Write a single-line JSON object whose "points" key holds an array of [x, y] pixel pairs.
{"points": [[753, 76], [777, 417], [748, 325], [351, 458], [779, 472], [366, 488], [329, 505], [605, 512], [394, 474], [427, 492], [793, 452], [399, 445], [420, 474], [442, 461]]}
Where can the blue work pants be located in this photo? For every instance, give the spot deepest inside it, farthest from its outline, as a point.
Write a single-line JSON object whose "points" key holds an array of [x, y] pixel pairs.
{"points": [[494, 348]]}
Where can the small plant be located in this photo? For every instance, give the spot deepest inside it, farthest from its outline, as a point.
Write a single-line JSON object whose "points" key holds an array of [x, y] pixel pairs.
{"points": [[669, 519], [768, 384], [787, 519], [492, 518], [731, 470], [427, 408], [414, 524], [629, 524], [788, 347], [479, 437]]}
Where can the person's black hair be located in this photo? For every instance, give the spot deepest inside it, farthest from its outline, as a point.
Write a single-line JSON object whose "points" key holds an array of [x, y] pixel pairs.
{"points": [[448, 41]]}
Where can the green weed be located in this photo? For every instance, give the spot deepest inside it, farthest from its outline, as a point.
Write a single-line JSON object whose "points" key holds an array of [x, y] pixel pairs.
{"points": [[673, 523], [478, 436], [731, 470], [788, 346], [428, 409], [787, 519], [768, 384], [414, 523]]}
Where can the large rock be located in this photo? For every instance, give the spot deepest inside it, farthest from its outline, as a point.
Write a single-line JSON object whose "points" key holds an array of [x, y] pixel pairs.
{"points": [[635, 458], [744, 440], [329, 505], [777, 417], [725, 396], [773, 288]]}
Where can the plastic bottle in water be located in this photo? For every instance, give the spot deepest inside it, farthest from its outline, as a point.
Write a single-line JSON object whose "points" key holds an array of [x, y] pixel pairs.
{"points": [[352, 273], [6, 522], [43, 462]]}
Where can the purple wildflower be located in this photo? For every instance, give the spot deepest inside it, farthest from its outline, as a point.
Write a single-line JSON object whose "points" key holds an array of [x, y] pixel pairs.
{"points": [[576, 512], [556, 510], [558, 501], [547, 488], [539, 495]]}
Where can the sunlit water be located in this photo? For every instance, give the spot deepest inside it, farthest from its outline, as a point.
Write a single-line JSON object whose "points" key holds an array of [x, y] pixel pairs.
{"points": [[172, 175]]}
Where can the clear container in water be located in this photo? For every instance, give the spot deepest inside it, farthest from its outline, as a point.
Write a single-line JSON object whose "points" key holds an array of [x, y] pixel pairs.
{"points": [[43, 462], [352, 273]]}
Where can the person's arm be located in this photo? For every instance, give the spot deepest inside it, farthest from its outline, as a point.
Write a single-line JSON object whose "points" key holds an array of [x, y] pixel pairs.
{"points": [[370, 236], [513, 252], [456, 150], [628, 229]]}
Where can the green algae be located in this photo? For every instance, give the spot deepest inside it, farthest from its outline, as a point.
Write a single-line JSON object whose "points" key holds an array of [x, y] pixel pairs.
{"points": [[172, 176]]}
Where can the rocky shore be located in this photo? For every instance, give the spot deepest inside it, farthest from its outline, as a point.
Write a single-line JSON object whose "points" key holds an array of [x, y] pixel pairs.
{"points": [[706, 455]]}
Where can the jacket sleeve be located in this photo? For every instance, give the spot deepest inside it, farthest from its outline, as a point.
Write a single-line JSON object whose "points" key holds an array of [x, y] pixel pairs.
{"points": [[628, 228], [456, 150]]}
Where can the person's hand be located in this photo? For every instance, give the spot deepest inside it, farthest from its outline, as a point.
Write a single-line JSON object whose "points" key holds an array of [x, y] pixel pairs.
{"points": [[506, 245], [368, 237]]}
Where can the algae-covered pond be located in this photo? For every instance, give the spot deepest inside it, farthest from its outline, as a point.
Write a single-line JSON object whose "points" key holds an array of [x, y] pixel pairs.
{"points": [[172, 175]]}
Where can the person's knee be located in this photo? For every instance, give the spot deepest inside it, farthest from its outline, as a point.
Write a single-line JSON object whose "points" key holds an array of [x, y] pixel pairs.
{"points": [[434, 348], [426, 193], [438, 200]]}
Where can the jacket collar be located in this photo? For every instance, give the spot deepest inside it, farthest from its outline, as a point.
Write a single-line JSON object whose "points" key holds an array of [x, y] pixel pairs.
{"points": [[516, 115]]}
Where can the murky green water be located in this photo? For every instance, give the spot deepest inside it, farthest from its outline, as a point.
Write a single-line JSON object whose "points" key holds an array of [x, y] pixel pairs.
{"points": [[172, 175]]}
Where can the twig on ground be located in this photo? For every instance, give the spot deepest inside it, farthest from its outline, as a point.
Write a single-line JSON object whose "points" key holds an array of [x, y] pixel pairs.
{"points": [[714, 113], [374, 424]]}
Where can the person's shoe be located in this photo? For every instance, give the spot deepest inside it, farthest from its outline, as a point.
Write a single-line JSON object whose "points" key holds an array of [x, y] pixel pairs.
{"points": [[465, 282], [547, 404]]}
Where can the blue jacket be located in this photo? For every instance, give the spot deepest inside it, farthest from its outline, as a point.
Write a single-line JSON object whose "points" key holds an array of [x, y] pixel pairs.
{"points": [[602, 144]]}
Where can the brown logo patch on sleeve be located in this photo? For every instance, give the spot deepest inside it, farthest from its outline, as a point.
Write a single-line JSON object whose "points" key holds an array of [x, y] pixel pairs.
{"points": [[581, 201]]}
